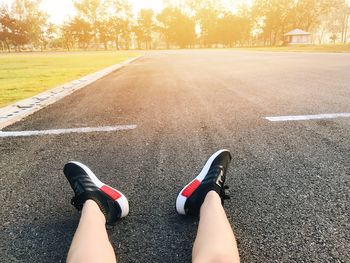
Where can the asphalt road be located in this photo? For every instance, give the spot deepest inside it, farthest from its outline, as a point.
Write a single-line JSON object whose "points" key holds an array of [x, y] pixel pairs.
{"points": [[290, 181]]}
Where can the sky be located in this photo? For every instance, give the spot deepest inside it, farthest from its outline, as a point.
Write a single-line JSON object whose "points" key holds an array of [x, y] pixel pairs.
{"points": [[61, 10]]}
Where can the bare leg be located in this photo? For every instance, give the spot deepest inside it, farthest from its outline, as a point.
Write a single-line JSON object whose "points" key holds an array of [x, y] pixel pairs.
{"points": [[90, 242], [215, 241]]}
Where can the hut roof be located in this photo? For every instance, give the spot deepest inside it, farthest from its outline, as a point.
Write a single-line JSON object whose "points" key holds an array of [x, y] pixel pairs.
{"points": [[297, 32]]}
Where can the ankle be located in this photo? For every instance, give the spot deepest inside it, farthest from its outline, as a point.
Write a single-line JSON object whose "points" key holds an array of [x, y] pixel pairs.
{"points": [[212, 195], [211, 199], [91, 207]]}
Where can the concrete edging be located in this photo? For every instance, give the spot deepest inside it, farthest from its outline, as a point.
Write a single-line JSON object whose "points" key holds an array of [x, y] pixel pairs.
{"points": [[23, 108]]}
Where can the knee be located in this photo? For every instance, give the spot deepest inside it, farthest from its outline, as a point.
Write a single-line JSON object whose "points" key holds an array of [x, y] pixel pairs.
{"points": [[215, 258]]}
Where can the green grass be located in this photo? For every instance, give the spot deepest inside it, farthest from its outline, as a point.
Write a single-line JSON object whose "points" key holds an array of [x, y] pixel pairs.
{"points": [[25, 75], [337, 48]]}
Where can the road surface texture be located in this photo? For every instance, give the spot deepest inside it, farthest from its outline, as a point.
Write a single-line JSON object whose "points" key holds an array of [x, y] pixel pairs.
{"points": [[290, 181]]}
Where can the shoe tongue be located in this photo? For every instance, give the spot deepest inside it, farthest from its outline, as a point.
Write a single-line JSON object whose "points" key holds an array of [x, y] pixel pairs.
{"points": [[78, 200]]}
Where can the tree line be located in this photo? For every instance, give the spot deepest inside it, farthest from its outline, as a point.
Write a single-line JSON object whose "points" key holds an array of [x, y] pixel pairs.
{"points": [[111, 24]]}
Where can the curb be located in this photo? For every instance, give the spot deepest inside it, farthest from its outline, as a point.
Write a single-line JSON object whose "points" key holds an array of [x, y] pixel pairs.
{"points": [[23, 108]]}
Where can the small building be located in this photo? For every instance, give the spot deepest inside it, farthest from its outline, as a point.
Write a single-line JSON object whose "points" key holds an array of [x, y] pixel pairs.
{"points": [[298, 36]]}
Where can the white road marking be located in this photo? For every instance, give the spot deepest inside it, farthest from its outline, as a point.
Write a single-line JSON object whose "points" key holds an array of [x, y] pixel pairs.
{"points": [[309, 117], [64, 131]]}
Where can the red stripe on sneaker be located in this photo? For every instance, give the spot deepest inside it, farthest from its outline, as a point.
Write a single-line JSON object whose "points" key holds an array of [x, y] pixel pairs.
{"points": [[191, 188], [110, 192]]}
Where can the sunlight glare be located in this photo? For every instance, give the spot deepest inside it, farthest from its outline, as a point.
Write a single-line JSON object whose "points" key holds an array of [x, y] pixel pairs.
{"points": [[60, 11]]}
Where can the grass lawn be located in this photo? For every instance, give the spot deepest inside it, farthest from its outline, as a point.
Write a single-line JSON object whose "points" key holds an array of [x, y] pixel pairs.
{"points": [[338, 48], [27, 74]]}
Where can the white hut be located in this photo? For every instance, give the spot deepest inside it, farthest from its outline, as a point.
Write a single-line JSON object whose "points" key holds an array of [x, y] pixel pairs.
{"points": [[298, 36]]}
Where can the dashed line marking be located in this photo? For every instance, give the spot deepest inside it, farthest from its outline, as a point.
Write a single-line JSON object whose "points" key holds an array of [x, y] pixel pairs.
{"points": [[4, 134], [309, 117]]}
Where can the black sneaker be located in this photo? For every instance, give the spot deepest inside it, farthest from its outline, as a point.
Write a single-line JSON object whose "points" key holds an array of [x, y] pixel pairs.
{"points": [[86, 185], [212, 177]]}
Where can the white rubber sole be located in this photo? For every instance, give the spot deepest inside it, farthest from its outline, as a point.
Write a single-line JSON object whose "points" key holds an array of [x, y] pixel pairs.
{"points": [[181, 200], [122, 200]]}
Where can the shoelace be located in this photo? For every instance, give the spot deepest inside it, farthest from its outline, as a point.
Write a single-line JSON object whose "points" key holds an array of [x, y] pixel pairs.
{"points": [[223, 194], [77, 201], [222, 179]]}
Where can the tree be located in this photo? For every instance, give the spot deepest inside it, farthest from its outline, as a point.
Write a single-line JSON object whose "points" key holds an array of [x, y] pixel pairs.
{"points": [[13, 32], [244, 12], [345, 21], [121, 16], [207, 13], [208, 19], [66, 38], [30, 21], [276, 17], [7, 28], [230, 30], [81, 32], [308, 13], [138, 33], [144, 28], [334, 23], [23, 23], [111, 23], [105, 32], [109, 20], [322, 16], [48, 33], [89, 12], [177, 28]]}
